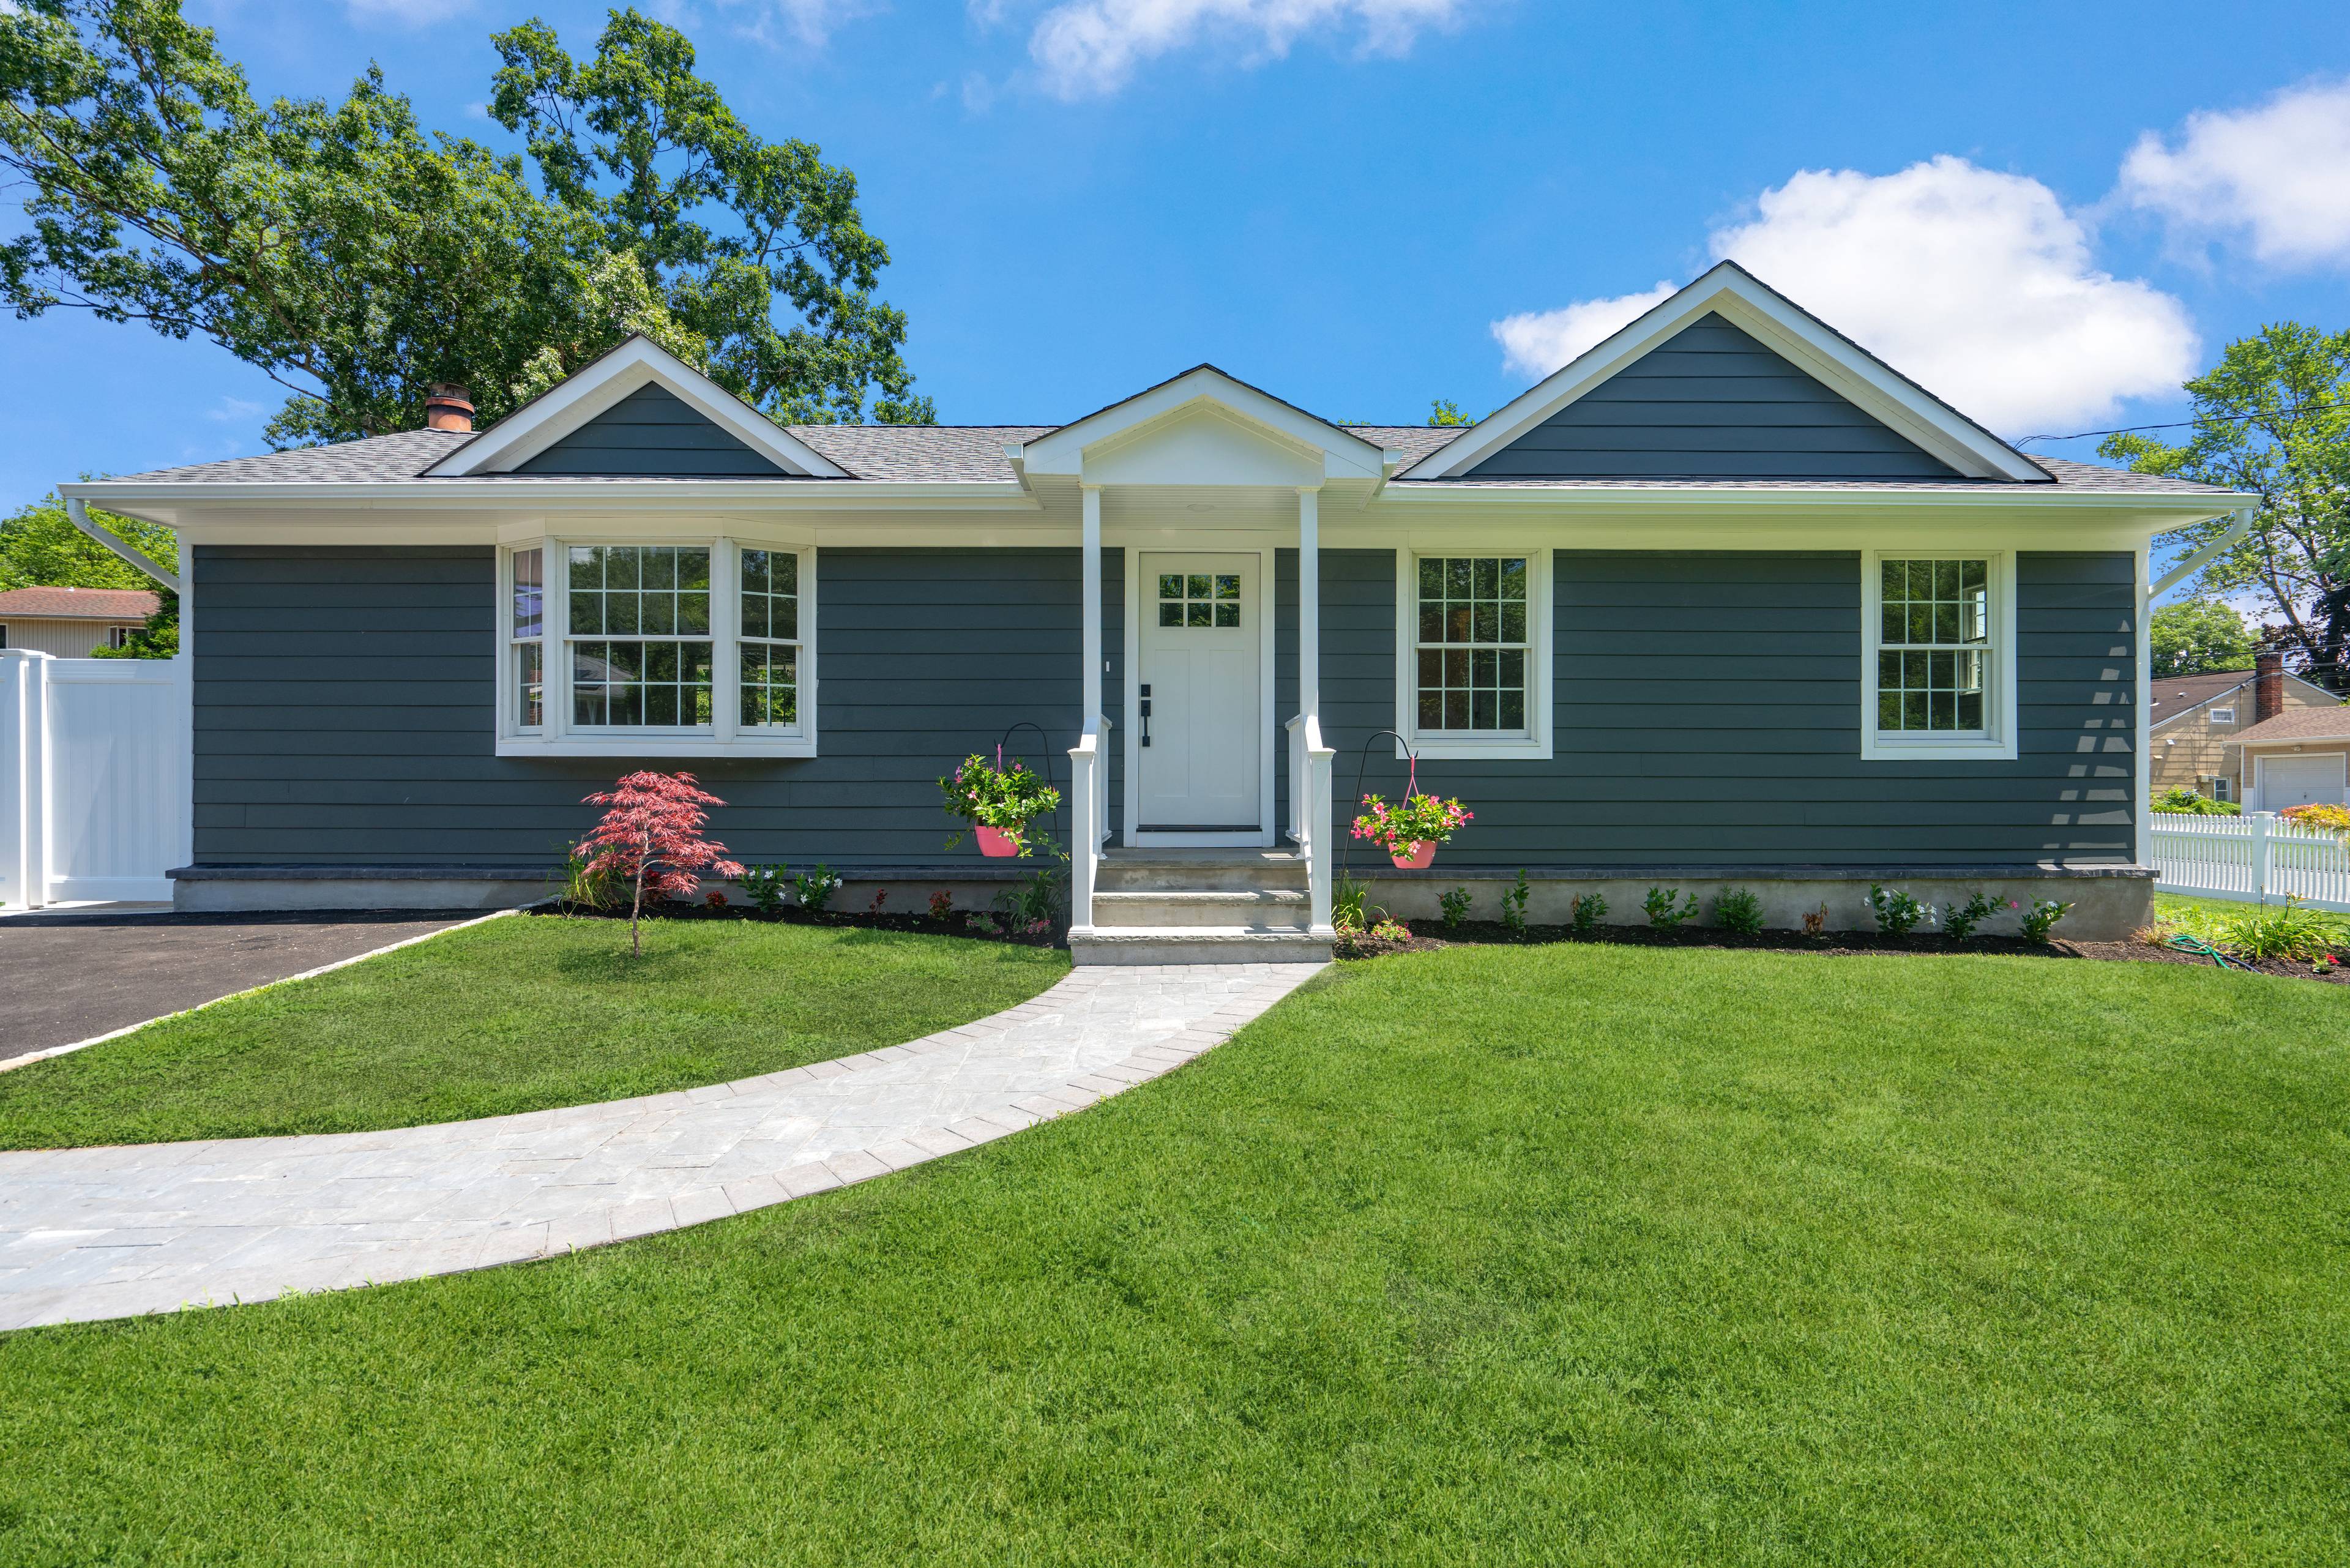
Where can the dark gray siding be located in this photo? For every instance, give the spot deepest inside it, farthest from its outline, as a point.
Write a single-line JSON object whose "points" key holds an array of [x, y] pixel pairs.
{"points": [[344, 708], [1709, 713], [652, 434], [1710, 402]]}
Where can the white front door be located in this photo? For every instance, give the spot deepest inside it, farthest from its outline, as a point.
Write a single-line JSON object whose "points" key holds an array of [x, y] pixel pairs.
{"points": [[2287, 782], [1201, 701]]}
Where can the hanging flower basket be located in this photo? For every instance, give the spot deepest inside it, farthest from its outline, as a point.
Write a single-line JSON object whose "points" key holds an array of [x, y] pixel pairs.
{"points": [[999, 802], [1410, 829]]}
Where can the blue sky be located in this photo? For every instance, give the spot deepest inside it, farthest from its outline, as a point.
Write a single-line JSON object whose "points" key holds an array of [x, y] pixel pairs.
{"points": [[2048, 213]]}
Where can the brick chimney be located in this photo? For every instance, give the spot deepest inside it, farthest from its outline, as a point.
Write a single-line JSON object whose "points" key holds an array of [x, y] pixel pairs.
{"points": [[2268, 684], [447, 408]]}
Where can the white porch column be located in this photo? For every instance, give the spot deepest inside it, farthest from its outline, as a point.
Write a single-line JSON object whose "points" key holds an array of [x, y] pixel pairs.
{"points": [[1309, 603], [1088, 769], [1091, 690], [1309, 758]]}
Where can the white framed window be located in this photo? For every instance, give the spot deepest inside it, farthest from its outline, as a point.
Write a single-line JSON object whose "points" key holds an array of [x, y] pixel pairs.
{"points": [[1472, 652], [116, 635], [1938, 665], [658, 647], [2223, 715]]}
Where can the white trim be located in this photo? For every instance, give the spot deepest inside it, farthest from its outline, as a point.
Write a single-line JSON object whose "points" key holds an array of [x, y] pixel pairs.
{"points": [[1997, 742], [2224, 715], [1130, 834], [1746, 302], [1343, 454], [635, 364], [724, 736], [1536, 745]]}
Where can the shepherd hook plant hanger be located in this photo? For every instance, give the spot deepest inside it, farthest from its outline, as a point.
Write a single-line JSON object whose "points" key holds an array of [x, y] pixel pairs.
{"points": [[1362, 761], [1043, 740]]}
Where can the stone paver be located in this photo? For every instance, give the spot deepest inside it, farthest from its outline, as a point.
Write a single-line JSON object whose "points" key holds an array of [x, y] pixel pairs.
{"points": [[113, 1232]]}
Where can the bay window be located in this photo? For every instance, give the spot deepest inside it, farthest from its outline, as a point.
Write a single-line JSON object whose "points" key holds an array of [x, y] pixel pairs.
{"points": [[1939, 661], [689, 647]]}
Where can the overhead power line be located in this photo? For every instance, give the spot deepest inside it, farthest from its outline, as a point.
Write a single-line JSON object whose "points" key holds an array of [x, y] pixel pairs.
{"points": [[2137, 430]]}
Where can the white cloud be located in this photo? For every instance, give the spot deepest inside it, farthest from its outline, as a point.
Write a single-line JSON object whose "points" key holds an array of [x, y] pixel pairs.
{"points": [[2279, 173], [406, 12], [1539, 341], [235, 409], [1087, 48], [1978, 286], [810, 23]]}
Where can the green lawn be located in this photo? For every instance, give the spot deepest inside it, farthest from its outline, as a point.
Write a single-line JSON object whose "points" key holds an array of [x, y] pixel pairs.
{"points": [[516, 1015], [1576, 1253]]}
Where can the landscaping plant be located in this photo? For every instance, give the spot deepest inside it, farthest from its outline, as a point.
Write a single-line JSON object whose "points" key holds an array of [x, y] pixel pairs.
{"points": [[1416, 819], [2041, 918], [1897, 914], [2286, 931], [942, 904], [1739, 911], [651, 838], [1960, 920], [1346, 903], [2324, 818], [1815, 921], [1513, 906], [765, 886], [585, 887], [1584, 914], [2180, 799], [989, 795], [814, 889], [1662, 914], [1455, 905], [1391, 931]]}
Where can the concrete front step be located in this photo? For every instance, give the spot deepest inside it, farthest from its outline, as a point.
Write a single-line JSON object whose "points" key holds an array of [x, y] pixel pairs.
{"points": [[1257, 908], [1194, 944], [1131, 875]]}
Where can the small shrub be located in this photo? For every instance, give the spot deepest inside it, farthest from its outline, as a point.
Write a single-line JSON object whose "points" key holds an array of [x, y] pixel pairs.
{"points": [[1584, 914], [2180, 799], [1346, 903], [713, 899], [1815, 921], [815, 889], [765, 886], [1960, 920], [942, 904], [2324, 818], [2286, 931], [1455, 906], [880, 896], [587, 885], [1662, 914], [1033, 905], [1739, 911], [1897, 914], [1391, 931], [1513, 906], [2041, 918]]}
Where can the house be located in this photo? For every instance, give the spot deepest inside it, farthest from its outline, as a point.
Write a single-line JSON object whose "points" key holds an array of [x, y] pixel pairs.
{"points": [[1724, 602], [2295, 758], [2196, 719], [72, 623]]}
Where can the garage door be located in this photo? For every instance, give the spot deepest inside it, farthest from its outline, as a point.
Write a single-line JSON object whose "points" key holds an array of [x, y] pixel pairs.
{"points": [[2288, 782]]}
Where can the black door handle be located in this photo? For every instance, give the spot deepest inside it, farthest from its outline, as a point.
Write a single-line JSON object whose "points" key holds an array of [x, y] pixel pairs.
{"points": [[1144, 706]]}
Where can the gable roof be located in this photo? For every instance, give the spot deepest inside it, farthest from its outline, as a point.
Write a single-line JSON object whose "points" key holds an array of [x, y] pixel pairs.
{"points": [[2299, 724], [1342, 449], [1785, 328], [601, 385], [2169, 696], [80, 604]]}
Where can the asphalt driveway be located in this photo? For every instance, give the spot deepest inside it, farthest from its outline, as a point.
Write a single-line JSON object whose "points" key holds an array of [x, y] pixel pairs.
{"points": [[72, 974]]}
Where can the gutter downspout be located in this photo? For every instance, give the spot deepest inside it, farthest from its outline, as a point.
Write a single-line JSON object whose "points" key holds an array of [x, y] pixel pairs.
{"points": [[2202, 558], [78, 515]]}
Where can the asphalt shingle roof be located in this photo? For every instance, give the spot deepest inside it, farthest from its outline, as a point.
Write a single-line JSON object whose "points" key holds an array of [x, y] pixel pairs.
{"points": [[80, 604], [2299, 724], [2176, 694], [973, 454]]}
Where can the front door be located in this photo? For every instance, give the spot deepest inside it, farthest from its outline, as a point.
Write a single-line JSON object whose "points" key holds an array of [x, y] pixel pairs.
{"points": [[1202, 703]]}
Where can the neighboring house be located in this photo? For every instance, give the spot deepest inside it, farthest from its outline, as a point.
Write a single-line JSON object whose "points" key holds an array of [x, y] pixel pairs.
{"points": [[2296, 758], [72, 622], [1724, 602], [2198, 718]]}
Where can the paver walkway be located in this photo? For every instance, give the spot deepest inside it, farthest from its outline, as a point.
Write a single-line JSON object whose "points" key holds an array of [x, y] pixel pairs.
{"points": [[111, 1232]]}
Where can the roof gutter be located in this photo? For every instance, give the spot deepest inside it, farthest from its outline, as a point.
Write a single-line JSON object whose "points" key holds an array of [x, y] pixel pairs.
{"points": [[2204, 556], [77, 514]]}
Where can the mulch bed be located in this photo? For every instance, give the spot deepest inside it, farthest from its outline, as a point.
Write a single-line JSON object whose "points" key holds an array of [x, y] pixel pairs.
{"points": [[1428, 936], [958, 922]]}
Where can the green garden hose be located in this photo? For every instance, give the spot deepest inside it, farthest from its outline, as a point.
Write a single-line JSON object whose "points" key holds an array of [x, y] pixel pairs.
{"points": [[2196, 945]]}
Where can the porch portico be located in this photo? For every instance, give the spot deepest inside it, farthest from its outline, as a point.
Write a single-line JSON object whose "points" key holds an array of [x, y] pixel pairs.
{"points": [[1200, 481]]}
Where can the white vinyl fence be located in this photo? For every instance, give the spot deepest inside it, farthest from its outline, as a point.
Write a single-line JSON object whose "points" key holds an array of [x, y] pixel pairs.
{"points": [[94, 785], [2257, 857]]}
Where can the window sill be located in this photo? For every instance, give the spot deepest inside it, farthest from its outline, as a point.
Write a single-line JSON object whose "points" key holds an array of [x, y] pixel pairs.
{"points": [[683, 744], [1981, 749], [1519, 748]]}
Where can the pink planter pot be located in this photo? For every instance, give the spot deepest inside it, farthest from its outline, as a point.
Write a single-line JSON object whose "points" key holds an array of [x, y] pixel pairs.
{"points": [[996, 842], [1423, 856]]}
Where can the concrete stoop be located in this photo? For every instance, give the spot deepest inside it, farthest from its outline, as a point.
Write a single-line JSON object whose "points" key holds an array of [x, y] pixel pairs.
{"points": [[1199, 906]]}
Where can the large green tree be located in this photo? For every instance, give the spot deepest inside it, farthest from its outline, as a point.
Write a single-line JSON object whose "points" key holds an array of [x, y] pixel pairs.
{"points": [[356, 258], [2273, 417], [2195, 637], [41, 548], [730, 229]]}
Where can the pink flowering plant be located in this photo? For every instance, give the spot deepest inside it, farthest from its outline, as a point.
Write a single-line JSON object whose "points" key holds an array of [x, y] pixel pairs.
{"points": [[1415, 819], [651, 841], [989, 795]]}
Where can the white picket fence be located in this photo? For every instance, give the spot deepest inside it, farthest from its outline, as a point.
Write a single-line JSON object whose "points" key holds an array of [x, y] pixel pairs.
{"points": [[94, 778], [2258, 857]]}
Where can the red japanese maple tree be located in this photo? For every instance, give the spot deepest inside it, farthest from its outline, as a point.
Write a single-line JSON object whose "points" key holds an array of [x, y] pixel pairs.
{"points": [[652, 835]]}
